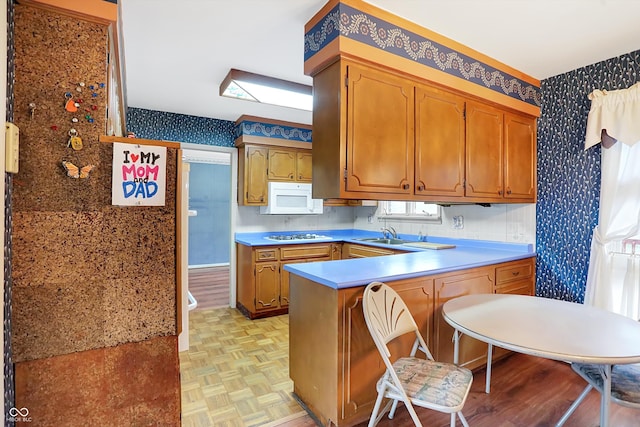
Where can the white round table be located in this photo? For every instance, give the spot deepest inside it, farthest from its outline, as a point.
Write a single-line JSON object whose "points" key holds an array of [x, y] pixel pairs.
{"points": [[548, 328]]}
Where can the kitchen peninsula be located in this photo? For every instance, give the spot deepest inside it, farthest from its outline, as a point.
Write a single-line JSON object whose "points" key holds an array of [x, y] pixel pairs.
{"points": [[333, 361]]}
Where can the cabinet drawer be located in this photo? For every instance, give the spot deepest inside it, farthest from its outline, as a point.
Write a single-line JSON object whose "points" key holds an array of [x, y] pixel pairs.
{"points": [[515, 271], [521, 287], [266, 254], [305, 252], [357, 251]]}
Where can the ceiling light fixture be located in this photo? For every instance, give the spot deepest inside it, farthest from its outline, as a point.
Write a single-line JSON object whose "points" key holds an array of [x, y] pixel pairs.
{"points": [[266, 90]]}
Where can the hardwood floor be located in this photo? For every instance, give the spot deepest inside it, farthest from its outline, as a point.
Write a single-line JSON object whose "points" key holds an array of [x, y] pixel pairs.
{"points": [[210, 286], [526, 391]]}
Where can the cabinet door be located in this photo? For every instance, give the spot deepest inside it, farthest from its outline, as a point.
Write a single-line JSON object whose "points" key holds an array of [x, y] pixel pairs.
{"points": [[484, 151], [303, 166], [440, 143], [519, 157], [284, 282], [472, 353], [282, 165], [336, 251], [380, 135], [285, 276], [255, 176], [361, 365], [291, 254], [267, 280], [515, 277]]}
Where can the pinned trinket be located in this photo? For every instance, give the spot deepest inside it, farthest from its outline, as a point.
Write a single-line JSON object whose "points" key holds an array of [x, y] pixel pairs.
{"points": [[70, 105], [75, 141]]}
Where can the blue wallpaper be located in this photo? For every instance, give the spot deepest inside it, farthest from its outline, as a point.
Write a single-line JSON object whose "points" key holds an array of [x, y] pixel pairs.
{"points": [[569, 177], [160, 125], [354, 24]]}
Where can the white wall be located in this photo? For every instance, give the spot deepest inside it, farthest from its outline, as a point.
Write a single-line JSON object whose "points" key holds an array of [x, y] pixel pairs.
{"points": [[503, 223]]}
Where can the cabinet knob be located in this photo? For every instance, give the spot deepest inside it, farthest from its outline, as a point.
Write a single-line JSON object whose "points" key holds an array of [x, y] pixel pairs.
{"points": [[420, 187], [508, 191], [500, 192], [405, 187]]}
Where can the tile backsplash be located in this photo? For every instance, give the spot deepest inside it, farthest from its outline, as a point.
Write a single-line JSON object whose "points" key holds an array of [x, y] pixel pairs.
{"points": [[501, 222], [249, 219]]}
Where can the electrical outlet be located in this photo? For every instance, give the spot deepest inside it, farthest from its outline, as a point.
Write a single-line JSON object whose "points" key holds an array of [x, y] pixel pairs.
{"points": [[370, 219], [458, 222]]}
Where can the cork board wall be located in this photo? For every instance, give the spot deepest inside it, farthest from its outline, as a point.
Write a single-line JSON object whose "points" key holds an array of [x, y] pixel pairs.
{"points": [[86, 274]]}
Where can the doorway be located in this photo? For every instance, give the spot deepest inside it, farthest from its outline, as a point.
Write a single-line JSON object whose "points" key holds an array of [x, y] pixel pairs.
{"points": [[206, 230]]}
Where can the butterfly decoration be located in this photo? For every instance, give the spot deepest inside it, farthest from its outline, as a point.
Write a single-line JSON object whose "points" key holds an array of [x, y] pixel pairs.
{"points": [[74, 171]]}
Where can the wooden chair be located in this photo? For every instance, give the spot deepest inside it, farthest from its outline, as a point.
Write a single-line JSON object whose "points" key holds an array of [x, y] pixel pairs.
{"points": [[625, 385], [414, 381]]}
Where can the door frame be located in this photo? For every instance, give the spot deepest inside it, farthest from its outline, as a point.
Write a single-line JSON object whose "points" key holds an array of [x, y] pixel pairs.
{"points": [[191, 153]]}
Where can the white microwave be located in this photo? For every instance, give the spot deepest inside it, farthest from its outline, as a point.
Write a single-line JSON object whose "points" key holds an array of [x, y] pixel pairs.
{"points": [[290, 198]]}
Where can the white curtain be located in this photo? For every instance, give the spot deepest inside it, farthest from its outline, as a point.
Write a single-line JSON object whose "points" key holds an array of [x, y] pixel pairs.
{"points": [[613, 281]]}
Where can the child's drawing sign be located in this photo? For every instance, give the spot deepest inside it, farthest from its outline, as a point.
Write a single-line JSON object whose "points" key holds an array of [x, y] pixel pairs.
{"points": [[139, 175]]}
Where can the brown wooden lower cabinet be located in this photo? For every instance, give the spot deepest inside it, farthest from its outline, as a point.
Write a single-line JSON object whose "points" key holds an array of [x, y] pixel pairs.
{"points": [[473, 353], [261, 281], [333, 361]]}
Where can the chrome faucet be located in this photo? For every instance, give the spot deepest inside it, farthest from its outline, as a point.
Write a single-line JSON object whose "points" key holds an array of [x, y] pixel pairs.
{"points": [[389, 231]]}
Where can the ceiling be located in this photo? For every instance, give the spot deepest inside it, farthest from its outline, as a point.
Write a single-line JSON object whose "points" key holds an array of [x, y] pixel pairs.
{"points": [[177, 53]]}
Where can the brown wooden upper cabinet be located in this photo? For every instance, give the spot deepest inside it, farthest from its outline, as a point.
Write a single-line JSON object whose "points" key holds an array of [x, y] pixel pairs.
{"points": [[440, 143], [287, 164], [380, 135], [520, 158], [484, 169], [282, 165], [303, 165], [501, 154], [379, 132], [257, 165], [252, 174]]}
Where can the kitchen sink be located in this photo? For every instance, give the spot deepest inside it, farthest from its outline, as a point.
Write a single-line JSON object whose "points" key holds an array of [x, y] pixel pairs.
{"points": [[384, 241]]}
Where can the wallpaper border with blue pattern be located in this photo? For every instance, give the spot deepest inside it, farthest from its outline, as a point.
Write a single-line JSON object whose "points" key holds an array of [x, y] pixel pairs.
{"points": [[346, 21], [270, 130]]}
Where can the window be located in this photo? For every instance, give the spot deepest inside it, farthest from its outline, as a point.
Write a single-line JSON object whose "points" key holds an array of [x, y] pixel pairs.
{"points": [[409, 210]]}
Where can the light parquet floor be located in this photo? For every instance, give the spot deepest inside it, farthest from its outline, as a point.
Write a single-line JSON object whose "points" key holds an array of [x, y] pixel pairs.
{"points": [[236, 372]]}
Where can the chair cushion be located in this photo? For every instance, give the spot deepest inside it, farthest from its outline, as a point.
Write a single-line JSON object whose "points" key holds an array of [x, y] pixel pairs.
{"points": [[443, 384], [625, 380]]}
